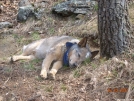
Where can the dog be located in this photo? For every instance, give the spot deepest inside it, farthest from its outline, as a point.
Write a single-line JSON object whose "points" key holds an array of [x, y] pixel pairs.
{"points": [[62, 50]]}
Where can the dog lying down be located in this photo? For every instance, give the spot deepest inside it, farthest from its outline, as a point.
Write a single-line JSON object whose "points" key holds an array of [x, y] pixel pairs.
{"points": [[62, 50]]}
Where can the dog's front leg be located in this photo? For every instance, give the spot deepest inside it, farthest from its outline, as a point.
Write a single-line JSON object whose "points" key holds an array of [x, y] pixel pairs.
{"points": [[46, 64], [57, 65]]}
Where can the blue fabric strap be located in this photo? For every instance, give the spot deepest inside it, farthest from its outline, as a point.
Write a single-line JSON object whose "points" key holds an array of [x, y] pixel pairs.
{"points": [[65, 56], [65, 59]]}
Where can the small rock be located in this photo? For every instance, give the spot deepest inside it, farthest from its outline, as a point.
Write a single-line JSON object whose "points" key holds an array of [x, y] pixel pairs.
{"points": [[24, 13], [6, 25], [40, 13], [70, 7], [27, 10], [23, 3]]}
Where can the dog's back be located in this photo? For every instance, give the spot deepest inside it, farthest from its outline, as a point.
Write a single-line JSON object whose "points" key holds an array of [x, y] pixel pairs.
{"points": [[41, 47]]}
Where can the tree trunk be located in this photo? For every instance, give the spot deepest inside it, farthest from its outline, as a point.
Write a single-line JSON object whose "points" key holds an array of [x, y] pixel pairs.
{"points": [[113, 27]]}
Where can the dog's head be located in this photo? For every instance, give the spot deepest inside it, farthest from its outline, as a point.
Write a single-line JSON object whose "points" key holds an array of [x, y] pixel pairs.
{"points": [[77, 53]]}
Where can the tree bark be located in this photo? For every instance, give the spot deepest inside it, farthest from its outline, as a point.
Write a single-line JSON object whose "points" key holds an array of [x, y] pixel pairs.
{"points": [[113, 27]]}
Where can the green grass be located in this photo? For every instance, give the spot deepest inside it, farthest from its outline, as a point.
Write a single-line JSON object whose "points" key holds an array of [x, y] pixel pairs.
{"points": [[96, 7], [28, 66], [63, 87], [35, 61], [35, 35], [49, 88], [31, 64], [4, 58], [77, 72], [102, 60], [38, 78], [51, 31], [87, 61], [8, 70], [94, 66], [115, 73], [95, 41], [19, 40], [65, 67], [133, 55]]}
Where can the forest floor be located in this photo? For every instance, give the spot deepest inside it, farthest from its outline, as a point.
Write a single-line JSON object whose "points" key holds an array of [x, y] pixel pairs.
{"points": [[100, 80]]}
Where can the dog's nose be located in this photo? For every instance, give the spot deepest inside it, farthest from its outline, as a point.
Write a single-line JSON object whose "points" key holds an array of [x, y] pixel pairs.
{"points": [[73, 65]]}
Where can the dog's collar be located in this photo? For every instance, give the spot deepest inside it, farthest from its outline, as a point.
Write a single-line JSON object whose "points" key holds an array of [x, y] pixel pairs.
{"points": [[65, 59], [66, 52]]}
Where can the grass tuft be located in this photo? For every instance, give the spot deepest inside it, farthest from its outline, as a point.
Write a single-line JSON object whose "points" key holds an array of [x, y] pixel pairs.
{"points": [[49, 88], [63, 87], [77, 72], [35, 35]]}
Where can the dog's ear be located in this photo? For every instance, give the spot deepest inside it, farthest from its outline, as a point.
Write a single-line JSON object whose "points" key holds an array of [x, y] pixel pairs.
{"points": [[94, 53], [83, 42]]}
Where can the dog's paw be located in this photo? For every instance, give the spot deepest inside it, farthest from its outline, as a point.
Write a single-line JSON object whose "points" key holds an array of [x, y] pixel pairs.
{"points": [[51, 76], [43, 74], [10, 59]]}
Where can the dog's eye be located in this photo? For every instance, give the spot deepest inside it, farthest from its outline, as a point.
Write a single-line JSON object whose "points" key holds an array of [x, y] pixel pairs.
{"points": [[78, 55]]}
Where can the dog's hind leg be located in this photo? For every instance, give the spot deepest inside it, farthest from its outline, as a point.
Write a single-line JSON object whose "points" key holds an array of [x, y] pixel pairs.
{"points": [[22, 57], [57, 65]]}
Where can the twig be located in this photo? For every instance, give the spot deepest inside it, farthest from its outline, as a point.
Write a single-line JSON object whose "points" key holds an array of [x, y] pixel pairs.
{"points": [[121, 73], [92, 18], [129, 91], [6, 81]]}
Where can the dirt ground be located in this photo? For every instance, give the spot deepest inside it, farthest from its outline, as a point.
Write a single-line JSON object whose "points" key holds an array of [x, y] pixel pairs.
{"points": [[100, 80]]}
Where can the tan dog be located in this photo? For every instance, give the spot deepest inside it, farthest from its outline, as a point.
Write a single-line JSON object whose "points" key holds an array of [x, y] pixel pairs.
{"points": [[63, 50]]}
